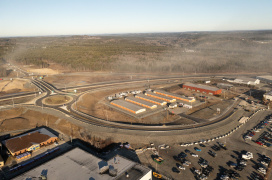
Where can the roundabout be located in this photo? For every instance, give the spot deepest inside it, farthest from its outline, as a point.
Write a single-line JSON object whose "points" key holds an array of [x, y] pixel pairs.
{"points": [[57, 100]]}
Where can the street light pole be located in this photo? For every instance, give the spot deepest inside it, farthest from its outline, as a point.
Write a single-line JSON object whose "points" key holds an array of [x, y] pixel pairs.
{"points": [[12, 101]]}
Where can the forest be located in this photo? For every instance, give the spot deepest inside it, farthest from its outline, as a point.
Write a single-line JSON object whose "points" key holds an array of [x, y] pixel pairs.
{"points": [[191, 52]]}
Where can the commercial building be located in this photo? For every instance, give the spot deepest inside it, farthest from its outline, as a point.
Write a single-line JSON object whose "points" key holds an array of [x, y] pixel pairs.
{"points": [[182, 98], [151, 99], [141, 102], [79, 164], [128, 106], [266, 79], [268, 96], [202, 88], [29, 142], [161, 97], [245, 80]]}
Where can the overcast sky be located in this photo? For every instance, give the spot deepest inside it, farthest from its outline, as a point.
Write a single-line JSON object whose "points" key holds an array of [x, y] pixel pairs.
{"points": [[67, 17]]}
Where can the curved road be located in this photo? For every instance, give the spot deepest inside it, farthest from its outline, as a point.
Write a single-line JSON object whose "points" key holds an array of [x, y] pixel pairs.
{"points": [[72, 112]]}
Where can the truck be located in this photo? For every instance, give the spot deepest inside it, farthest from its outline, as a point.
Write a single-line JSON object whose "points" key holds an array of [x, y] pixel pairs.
{"points": [[247, 155]]}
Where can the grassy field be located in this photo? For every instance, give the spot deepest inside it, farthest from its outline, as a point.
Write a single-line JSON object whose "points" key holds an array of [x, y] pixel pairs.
{"points": [[202, 52]]}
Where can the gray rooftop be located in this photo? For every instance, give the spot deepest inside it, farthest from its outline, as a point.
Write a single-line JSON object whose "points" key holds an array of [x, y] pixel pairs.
{"points": [[200, 86], [128, 105], [247, 79], [78, 164], [150, 98], [149, 104], [158, 95]]}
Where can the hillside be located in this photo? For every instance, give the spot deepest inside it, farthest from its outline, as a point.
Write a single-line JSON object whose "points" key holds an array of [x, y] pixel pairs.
{"points": [[198, 52]]}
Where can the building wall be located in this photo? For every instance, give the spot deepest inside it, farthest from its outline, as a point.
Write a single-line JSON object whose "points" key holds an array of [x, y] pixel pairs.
{"points": [[150, 107], [147, 176], [268, 97], [206, 91], [173, 100], [150, 101], [124, 108], [50, 140], [175, 97]]}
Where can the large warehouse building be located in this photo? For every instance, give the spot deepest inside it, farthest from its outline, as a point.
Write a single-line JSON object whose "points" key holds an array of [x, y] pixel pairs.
{"points": [[182, 98], [151, 99], [79, 164], [202, 88], [128, 106], [30, 141], [141, 102], [161, 97]]}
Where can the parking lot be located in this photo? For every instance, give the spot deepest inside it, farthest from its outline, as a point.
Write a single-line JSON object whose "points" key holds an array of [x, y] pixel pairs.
{"points": [[222, 161]]}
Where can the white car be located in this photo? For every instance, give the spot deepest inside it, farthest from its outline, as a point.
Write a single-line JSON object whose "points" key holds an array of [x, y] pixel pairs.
{"points": [[197, 172], [194, 155], [185, 164], [261, 170], [181, 167]]}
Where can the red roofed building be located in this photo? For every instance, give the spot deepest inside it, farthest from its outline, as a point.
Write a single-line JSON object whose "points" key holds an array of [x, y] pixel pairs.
{"points": [[30, 141]]}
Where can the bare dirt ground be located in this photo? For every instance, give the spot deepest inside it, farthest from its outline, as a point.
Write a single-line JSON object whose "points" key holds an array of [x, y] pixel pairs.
{"points": [[21, 118], [79, 79], [46, 71], [15, 86]]}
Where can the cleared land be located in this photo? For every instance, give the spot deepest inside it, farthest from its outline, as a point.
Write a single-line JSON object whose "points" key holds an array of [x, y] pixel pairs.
{"points": [[14, 86]]}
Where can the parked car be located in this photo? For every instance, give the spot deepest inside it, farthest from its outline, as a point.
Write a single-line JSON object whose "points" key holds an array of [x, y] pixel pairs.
{"points": [[194, 155], [197, 149]]}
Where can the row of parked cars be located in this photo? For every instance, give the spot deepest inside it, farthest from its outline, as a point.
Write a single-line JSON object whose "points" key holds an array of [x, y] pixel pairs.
{"points": [[260, 126]]}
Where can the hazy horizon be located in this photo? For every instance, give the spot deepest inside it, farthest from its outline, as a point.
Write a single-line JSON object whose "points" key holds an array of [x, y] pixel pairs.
{"points": [[55, 18]]}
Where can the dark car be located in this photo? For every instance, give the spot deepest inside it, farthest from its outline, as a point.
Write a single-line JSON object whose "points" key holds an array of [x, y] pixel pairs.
{"points": [[182, 155], [239, 168], [213, 154], [202, 145], [174, 169], [187, 151]]}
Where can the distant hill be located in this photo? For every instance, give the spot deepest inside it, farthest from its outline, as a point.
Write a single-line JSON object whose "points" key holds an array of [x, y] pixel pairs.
{"points": [[200, 52]]}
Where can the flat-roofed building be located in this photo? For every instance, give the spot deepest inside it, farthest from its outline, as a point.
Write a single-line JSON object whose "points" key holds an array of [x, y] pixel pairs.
{"points": [[141, 102], [246, 80], [161, 97], [128, 106], [79, 164], [30, 141], [267, 79], [172, 95], [202, 88], [151, 99], [268, 96]]}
